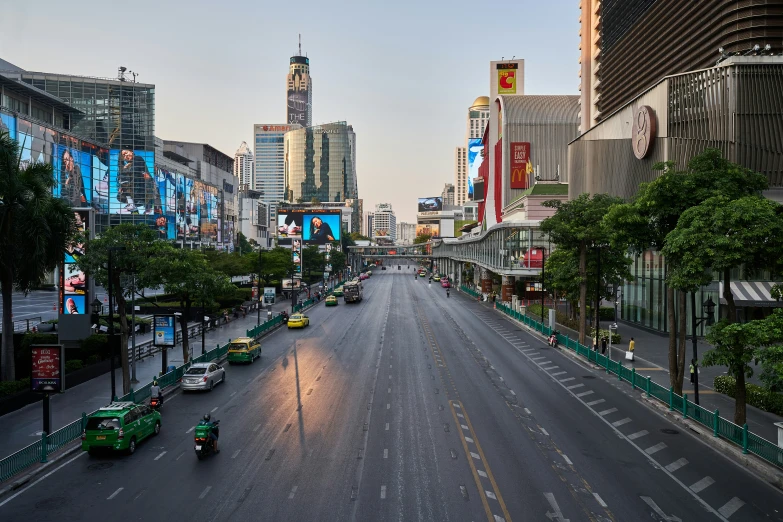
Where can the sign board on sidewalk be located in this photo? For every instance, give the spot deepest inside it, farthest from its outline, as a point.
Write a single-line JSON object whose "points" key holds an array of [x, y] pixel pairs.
{"points": [[269, 294], [48, 368], [165, 329]]}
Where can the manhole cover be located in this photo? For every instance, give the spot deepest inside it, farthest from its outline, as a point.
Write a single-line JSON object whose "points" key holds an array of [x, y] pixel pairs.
{"points": [[51, 503], [669, 431], [588, 376], [98, 466]]}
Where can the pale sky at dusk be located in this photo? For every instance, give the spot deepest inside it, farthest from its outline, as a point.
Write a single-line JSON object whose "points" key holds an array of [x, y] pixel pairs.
{"points": [[402, 73]]}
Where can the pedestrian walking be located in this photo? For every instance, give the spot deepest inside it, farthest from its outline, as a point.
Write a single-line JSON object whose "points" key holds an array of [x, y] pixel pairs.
{"points": [[603, 345], [693, 371], [631, 345]]}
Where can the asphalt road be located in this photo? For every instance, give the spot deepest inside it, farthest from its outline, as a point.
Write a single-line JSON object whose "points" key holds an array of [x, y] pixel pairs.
{"points": [[408, 406]]}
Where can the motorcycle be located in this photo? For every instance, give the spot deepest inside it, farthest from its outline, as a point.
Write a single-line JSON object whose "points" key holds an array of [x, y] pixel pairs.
{"points": [[448, 294], [552, 341], [285, 317], [204, 443], [156, 403]]}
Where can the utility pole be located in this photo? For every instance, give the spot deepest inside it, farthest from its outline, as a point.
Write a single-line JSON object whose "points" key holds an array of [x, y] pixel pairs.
{"points": [[133, 329]]}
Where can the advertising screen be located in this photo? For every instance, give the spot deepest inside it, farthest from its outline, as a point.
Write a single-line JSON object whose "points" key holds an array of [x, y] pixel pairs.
{"points": [[269, 294], [164, 330], [475, 148], [519, 164], [297, 107], [132, 186], [507, 78], [434, 204], [429, 229], [74, 304], [73, 282], [48, 365], [73, 170], [296, 256], [319, 228]]}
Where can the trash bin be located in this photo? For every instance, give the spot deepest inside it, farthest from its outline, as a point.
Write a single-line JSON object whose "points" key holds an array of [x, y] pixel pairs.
{"points": [[170, 368]]}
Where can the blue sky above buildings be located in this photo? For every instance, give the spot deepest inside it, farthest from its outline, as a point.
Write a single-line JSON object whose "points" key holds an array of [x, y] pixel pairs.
{"points": [[403, 73]]}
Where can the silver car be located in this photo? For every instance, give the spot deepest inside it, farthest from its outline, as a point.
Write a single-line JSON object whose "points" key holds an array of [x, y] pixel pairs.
{"points": [[203, 376]]}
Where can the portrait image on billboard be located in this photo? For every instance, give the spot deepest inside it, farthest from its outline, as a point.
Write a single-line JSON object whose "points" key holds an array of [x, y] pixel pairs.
{"points": [[75, 249], [434, 204], [475, 159], [132, 185], [164, 222], [322, 227], [73, 170]]}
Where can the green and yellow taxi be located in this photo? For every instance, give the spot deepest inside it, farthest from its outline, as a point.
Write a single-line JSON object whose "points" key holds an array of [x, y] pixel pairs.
{"points": [[436, 278], [120, 426], [338, 292], [243, 350], [298, 321], [422, 273], [331, 301]]}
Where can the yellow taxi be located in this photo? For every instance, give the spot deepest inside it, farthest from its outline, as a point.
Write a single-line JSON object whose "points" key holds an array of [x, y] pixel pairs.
{"points": [[436, 278], [298, 321], [243, 350], [331, 301]]}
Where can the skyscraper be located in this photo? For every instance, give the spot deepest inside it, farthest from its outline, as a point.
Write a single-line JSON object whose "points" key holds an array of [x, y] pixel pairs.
{"points": [[460, 175], [299, 90], [243, 165], [384, 225], [270, 164], [448, 194]]}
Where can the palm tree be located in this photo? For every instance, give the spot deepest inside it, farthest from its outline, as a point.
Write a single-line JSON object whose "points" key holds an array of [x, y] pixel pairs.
{"points": [[35, 228]]}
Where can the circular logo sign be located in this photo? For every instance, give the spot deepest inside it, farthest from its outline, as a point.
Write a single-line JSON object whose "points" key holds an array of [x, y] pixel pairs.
{"points": [[643, 132]]}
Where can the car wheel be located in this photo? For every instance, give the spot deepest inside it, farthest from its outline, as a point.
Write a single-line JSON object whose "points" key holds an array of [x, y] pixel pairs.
{"points": [[211, 385], [157, 428], [132, 446]]}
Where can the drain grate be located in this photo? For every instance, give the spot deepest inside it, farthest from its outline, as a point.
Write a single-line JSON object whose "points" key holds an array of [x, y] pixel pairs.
{"points": [[669, 431]]}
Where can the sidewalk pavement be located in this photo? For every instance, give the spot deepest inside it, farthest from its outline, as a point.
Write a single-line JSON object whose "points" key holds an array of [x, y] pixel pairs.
{"points": [[651, 358], [24, 425]]}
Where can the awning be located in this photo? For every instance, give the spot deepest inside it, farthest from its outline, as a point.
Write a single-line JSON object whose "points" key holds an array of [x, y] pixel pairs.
{"points": [[751, 293]]}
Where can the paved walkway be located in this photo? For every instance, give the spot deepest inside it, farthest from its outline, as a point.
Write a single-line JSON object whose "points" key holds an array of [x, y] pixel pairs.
{"points": [[23, 426]]}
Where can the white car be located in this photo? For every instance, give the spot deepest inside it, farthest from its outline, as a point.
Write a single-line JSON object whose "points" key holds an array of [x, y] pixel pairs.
{"points": [[203, 376]]}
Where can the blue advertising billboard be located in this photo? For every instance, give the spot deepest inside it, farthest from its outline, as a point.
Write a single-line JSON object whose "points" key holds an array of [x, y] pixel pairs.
{"points": [[475, 159], [321, 227], [164, 330]]}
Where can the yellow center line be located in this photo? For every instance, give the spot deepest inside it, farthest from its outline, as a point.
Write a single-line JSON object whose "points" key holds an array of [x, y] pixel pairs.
{"points": [[480, 488]]}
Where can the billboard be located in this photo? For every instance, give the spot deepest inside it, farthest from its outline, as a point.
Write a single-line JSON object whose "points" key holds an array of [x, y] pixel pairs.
{"points": [[429, 229], [48, 368], [519, 164], [132, 188], [73, 282], [312, 226], [296, 256], [475, 159], [434, 204], [298, 107], [164, 330], [507, 78], [269, 295]]}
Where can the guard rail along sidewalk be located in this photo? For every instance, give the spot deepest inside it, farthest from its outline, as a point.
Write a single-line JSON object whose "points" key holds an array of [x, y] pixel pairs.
{"points": [[721, 428]]}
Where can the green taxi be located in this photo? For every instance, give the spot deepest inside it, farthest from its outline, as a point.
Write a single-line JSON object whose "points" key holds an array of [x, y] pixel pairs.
{"points": [[120, 426], [243, 350], [338, 292], [331, 301]]}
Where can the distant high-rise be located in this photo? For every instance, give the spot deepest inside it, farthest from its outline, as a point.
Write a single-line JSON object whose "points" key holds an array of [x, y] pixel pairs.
{"points": [[384, 225], [269, 175], [299, 90], [243, 165], [461, 175], [448, 194]]}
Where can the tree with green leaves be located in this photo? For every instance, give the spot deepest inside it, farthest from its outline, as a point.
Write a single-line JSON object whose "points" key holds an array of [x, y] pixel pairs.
{"points": [[139, 245], [274, 264], [578, 227], [35, 229], [338, 260], [233, 264], [243, 245], [422, 238], [313, 260]]}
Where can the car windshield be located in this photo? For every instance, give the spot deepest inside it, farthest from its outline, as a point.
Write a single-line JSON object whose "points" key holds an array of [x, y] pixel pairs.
{"points": [[195, 371], [237, 346], [103, 423]]}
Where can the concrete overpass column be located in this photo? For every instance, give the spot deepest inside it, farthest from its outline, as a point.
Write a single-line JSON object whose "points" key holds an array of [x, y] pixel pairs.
{"points": [[486, 281], [507, 289]]}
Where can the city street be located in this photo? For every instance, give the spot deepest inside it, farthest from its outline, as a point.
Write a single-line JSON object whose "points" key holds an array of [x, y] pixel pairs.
{"points": [[409, 405]]}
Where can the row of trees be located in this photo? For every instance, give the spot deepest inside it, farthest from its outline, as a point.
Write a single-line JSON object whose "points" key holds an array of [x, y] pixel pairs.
{"points": [[708, 220]]}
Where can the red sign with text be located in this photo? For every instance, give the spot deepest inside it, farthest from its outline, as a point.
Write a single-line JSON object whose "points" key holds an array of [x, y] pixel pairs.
{"points": [[47, 371], [520, 156]]}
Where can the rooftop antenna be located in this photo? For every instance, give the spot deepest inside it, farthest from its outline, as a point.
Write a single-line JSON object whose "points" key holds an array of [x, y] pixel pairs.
{"points": [[512, 58], [300, 44]]}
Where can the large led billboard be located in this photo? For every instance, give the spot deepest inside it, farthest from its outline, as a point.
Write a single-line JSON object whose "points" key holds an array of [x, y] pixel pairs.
{"points": [[430, 229], [434, 204], [475, 148], [297, 107], [312, 226]]}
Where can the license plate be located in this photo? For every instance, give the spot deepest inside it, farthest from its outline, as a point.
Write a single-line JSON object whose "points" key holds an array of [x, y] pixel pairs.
{"points": [[198, 448], [100, 437]]}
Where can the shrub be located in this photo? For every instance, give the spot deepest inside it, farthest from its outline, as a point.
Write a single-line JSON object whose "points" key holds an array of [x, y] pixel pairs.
{"points": [[92, 359], [95, 345], [606, 313], [725, 384], [616, 338], [755, 395], [8, 388], [245, 293], [72, 366]]}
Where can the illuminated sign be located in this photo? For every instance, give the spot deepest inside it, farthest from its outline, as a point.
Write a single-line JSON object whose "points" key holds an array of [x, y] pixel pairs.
{"points": [[277, 128], [48, 368], [507, 78], [519, 161], [164, 330]]}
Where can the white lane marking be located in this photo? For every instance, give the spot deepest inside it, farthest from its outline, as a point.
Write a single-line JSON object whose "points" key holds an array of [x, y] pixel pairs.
{"points": [[543, 431], [386, 453], [490, 495], [527, 411], [513, 392], [567, 379], [213, 409], [468, 439], [293, 492], [257, 428], [475, 455], [650, 502], [529, 350], [481, 473], [191, 429], [621, 422], [235, 454], [390, 369], [389, 377], [204, 493], [607, 412], [538, 358], [634, 436], [9, 499], [565, 458], [383, 492], [115, 494], [388, 390], [388, 406], [574, 386], [461, 416], [600, 500], [550, 497], [232, 394], [731, 507], [550, 368], [159, 456], [387, 426], [655, 449], [545, 362], [593, 403], [464, 427], [702, 484], [677, 464], [558, 373], [589, 392], [456, 405]]}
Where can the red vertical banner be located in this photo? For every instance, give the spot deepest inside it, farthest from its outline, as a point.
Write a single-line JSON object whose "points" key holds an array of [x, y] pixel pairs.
{"points": [[499, 203], [520, 156]]}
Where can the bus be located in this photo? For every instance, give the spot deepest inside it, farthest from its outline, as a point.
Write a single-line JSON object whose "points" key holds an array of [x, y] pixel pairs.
{"points": [[352, 292]]}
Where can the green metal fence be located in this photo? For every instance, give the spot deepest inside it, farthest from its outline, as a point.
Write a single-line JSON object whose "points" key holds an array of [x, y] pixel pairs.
{"points": [[49, 443], [739, 435]]}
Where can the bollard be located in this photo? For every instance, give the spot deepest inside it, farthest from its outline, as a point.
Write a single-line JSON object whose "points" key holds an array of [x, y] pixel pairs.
{"points": [[43, 446], [684, 405], [671, 399], [715, 418], [633, 379]]}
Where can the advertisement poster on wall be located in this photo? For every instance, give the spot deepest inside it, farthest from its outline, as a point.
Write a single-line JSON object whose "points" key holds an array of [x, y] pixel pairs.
{"points": [[475, 159], [519, 164], [507, 78], [428, 229], [296, 256], [48, 368], [164, 330], [269, 295], [132, 186]]}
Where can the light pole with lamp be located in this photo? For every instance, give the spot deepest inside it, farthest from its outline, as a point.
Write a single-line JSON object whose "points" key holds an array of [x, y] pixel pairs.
{"points": [[112, 342], [709, 305]]}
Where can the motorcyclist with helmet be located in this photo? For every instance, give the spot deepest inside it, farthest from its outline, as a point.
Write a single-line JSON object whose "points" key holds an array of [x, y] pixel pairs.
{"points": [[214, 431]]}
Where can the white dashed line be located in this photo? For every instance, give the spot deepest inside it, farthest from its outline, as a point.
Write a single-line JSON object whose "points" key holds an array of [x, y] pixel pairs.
{"points": [[607, 412], [232, 394], [527, 411], [568, 461], [731, 507], [159, 456], [574, 386], [386, 453], [567, 379], [543, 431], [512, 392], [593, 403], [235, 454], [589, 392], [539, 358], [383, 492], [461, 416], [464, 427], [213, 410], [634, 436], [481, 473], [655, 449], [490, 495], [702, 484], [191, 429], [468, 439], [115, 494], [388, 390], [387, 426], [388, 406], [600, 500], [293, 492], [621, 422], [475, 455], [550, 368], [204, 493], [257, 428], [529, 350], [677, 464], [558, 373]]}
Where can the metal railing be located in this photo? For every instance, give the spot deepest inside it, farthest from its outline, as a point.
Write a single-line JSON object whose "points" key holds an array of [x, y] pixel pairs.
{"points": [[722, 428], [25, 325]]}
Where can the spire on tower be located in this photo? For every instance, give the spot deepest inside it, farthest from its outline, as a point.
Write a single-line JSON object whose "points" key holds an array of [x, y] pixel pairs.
{"points": [[300, 44]]}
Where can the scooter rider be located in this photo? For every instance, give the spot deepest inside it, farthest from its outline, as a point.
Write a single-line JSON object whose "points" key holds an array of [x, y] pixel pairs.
{"points": [[155, 392], [448, 292], [214, 431], [553, 338]]}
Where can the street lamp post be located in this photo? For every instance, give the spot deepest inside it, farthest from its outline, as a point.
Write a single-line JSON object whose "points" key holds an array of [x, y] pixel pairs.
{"points": [[709, 305], [112, 347]]}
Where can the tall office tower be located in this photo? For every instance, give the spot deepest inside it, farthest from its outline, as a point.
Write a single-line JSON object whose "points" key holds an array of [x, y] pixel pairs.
{"points": [[243, 165], [367, 223], [448, 194], [623, 50], [299, 90], [461, 175], [478, 118], [270, 164], [384, 226]]}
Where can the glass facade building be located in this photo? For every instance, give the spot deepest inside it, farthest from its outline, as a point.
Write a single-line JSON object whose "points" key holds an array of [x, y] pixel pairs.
{"points": [[320, 163], [270, 163]]}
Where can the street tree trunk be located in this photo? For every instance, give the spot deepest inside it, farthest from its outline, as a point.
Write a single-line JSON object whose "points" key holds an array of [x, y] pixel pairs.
{"points": [[681, 331], [671, 320], [119, 298], [739, 398], [582, 292], [7, 363]]}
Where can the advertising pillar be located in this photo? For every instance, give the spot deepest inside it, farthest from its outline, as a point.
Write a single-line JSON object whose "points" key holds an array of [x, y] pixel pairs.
{"points": [[507, 289], [486, 281]]}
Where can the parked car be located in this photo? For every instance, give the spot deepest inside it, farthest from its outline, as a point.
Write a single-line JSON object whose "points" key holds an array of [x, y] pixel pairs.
{"points": [[203, 376], [119, 426]]}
